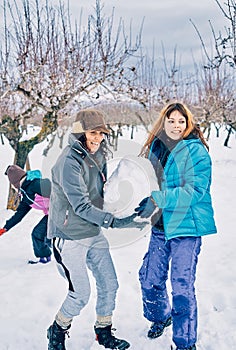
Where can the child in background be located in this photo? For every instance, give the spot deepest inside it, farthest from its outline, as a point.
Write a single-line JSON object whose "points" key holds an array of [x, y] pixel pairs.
{"points": [[34, 192]]}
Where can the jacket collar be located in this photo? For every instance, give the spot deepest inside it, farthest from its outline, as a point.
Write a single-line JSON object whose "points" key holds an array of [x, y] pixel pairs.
{"points": [[96, 159]]}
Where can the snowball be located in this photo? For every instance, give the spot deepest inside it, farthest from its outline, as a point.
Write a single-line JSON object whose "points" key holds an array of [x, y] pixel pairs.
{"points": [[132, 180]]}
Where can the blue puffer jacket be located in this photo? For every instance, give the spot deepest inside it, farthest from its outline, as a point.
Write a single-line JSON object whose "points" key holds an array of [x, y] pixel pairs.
{"points": [[185, 197]]}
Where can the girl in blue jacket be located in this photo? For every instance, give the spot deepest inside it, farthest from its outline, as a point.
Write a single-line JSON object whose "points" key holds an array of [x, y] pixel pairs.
{"points": [[181, 213]]}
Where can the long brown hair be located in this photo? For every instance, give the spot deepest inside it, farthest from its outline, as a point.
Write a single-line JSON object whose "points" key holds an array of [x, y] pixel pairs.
{"points": [[159, 125]]}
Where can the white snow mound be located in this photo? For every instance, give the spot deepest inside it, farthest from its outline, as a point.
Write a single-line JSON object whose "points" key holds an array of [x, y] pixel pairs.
{"points": [[132, 180]]}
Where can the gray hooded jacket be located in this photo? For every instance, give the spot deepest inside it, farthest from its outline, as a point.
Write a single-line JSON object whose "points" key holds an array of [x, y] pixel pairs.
{"points": [[76, 200]]}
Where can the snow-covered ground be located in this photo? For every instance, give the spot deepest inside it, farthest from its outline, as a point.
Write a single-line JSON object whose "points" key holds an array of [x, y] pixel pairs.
{"points": [[30, 295]]}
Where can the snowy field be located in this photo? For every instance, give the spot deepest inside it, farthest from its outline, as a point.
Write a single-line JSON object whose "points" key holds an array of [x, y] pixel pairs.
{"points": [[30, 295]]}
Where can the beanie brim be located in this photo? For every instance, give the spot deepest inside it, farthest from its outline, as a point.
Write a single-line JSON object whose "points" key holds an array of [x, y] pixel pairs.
{"points": [[77, 128]]}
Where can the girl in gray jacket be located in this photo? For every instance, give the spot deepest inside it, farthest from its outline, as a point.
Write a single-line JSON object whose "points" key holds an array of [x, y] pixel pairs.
{"points": [[75, 219]]}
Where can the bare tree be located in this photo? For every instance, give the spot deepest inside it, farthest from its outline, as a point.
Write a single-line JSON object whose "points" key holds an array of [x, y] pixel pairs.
{"points": [[215, 98], [52, 64], [225, 40], [46, 66]]}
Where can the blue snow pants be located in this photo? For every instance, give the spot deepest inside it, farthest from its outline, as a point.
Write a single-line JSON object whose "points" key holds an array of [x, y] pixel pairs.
{"points": [[182, 253], [41, 244]]}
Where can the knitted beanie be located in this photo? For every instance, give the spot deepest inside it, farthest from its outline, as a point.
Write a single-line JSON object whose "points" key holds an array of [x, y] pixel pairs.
{"points": [[15, 174], [89, 119]]}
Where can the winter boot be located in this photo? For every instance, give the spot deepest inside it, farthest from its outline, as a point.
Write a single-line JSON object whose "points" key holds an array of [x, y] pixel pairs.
{"points": [[107, 339], [157, 328], [193, 347], [45, 260], [56, 337]]}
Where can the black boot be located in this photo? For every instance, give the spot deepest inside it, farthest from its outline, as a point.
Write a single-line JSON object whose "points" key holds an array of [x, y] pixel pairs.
{"points": [[56, 337], [193, 347], [157, 328], [107, 339]]}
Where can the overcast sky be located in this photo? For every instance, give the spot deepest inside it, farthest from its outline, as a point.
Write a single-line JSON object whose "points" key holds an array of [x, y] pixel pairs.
{"points": [[166, 22]]}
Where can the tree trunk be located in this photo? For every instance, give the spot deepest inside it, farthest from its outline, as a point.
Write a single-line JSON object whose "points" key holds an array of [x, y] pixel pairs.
{"points": [[13, 199], [228, 136], [13, 196]]}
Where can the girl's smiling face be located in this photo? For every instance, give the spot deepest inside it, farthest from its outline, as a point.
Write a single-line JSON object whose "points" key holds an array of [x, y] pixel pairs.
{"points": [[93, 140], [175, 125]]}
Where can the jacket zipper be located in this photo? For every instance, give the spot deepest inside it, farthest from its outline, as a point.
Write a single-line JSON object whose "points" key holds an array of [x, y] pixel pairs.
{"points": [[66, 218]]}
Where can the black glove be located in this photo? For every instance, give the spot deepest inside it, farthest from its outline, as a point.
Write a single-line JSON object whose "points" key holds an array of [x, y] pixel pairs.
{"points": [[146, 207], [128, 222]]}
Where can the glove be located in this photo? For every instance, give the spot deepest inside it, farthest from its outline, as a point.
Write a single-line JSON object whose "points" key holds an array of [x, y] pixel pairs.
{"points": [[146, 207], [128, 222], [2, 231]]}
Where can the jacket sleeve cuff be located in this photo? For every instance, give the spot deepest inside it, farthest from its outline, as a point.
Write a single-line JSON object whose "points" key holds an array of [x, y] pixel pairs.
{"points": [[107, 220], [158, 198]]}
